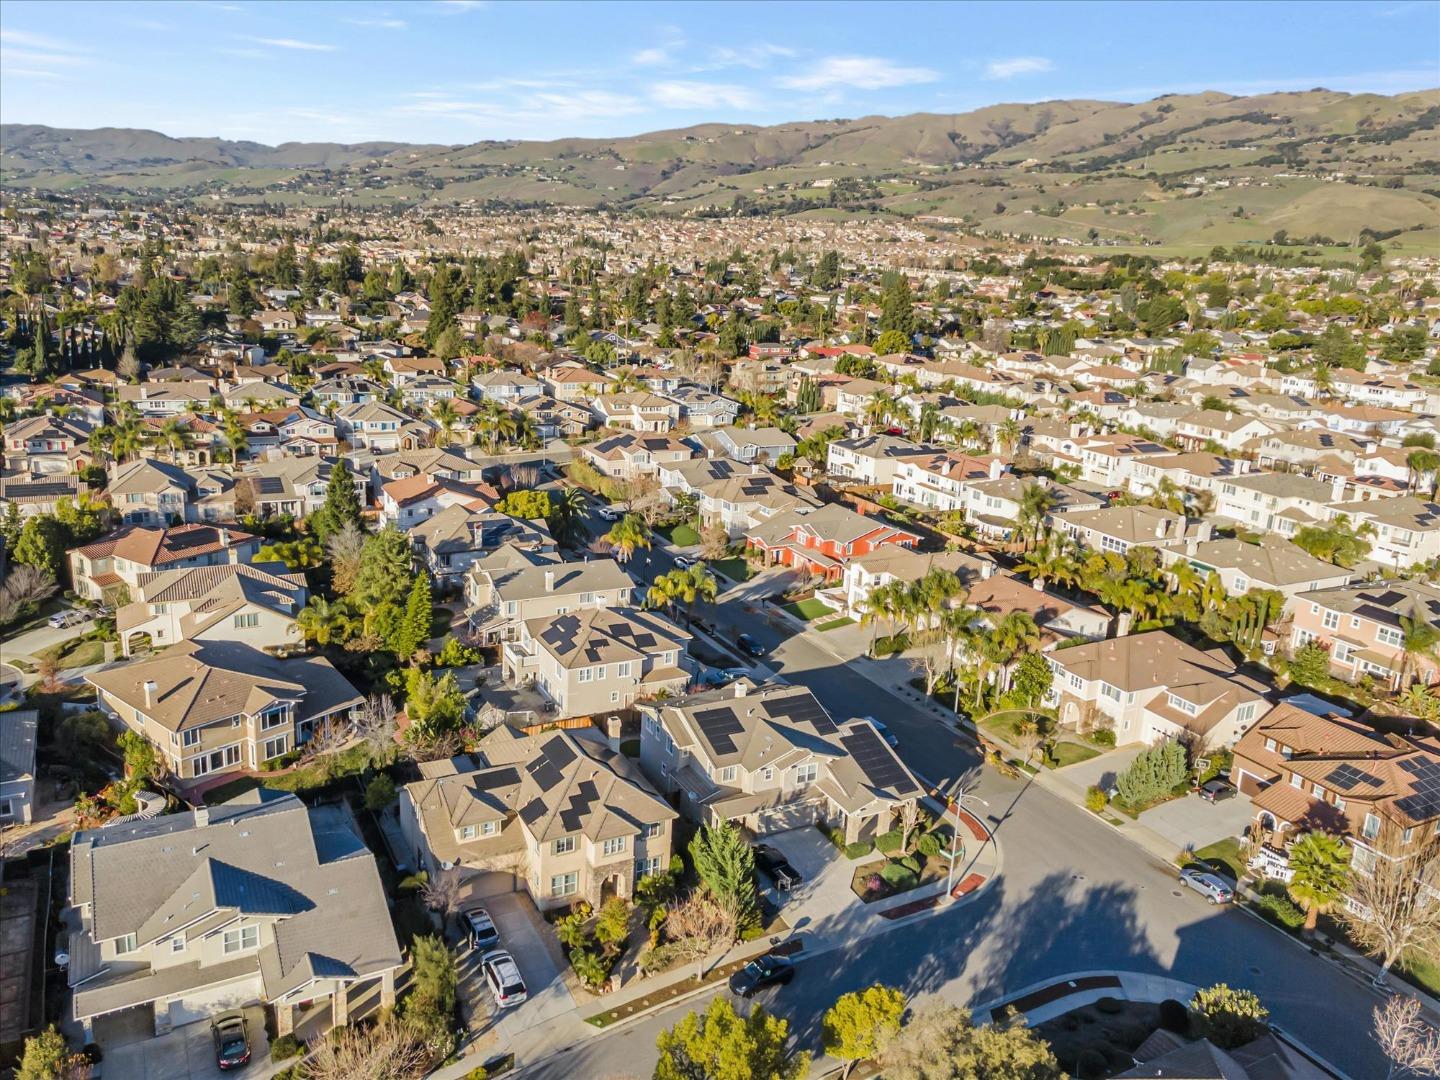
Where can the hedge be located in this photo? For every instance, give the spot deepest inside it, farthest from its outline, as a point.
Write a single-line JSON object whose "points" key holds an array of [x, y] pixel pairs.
{"points": [[889, 843]]}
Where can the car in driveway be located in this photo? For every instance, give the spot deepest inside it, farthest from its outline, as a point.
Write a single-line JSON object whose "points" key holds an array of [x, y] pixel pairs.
{"points": [[749, 646], [763, 971], [1216, 790], [67, 618], [480, 929], [685, 561], [777, 867], [232, 1044], [1214, 888], [609, 513], [502, 976]]}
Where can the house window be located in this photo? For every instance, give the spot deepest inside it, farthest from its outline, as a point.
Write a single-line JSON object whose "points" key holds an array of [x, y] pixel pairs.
{"points": [[622, 670], [190, 737], [273, 719], [586, 674], [1317, 791], [1245, 713], [805, 774], [469, 832], [247, 620], [1409, 835], [645, 867], [728, 774], [241, 939], [1296, 780], [1372, 827], [489, 828], [1113, 693], [1339, 804], [274, 748], [1388, 635], [1331, 620], [177, 944], [564, 845], [613, 846], [565, 884], [125, 944], [653, 830], [1270, 745], [767, 773]]}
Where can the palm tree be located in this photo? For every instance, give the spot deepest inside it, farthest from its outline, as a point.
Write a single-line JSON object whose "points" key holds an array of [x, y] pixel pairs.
{"points": [[325, 622], [1035, 503], [1321, 865], [445, 417], [127, 436], [1008, 435], [567, 505], [929, 421], [881, 603], [683, 586], [173, 437], [233, 432], [1418, 638], [1014, 635], [626, 536], [879, 409]]}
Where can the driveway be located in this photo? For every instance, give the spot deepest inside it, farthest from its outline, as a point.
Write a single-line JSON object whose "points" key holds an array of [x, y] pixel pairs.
{"points": [[823, 904], [1193, 822], [42, 637], [525, 936], [185, 1052], [1101, 771]]}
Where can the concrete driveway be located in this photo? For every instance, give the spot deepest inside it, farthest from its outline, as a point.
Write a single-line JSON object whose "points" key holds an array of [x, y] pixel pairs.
{"points": [[1101, 771], [187, 1052], [525, 936], [1193, 822], [42, 637], [823, 904]]}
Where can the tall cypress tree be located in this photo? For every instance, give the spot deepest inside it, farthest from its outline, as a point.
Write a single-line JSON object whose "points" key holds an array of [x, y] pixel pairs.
{"points": [[342, 504]]}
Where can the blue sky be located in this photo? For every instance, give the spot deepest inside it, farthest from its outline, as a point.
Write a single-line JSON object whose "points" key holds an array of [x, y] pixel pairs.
{"points": [[457, 71]]}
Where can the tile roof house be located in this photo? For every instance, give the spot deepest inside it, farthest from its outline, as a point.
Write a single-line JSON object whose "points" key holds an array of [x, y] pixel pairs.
{"points": [[101, 569], [1273, 563], [595, 660], [1305, 772], [256, 900], [1152, 686], [562, 817], [1360, 625], [823, 539], [46, 445], [504, 594], [459, 536], [251, 605], [874, 459], [18, 729], [626, 455], [216, 707], [150, 492], [771, 758], [638, 410]]}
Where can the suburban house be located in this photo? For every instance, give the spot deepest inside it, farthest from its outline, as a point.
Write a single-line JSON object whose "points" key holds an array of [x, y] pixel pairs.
{"points": [[1361, 626], [46, 445], [572, 383], [1404, 531], [100, 571], [377, 426], [943, 481], [993, 506], [625, 456], [507, 386], [637, 410], [257, 900], [562, 817], [1119, 528], [215, 707], [503, 596], [702, 409], [250, 605], [771, 758], [18, 729], [874, 459], [891, 563], [741, 502], [1152, 686], [1305, 772], [596, 660], [1277, 502], [292, 485], [150, 492], [1273, 563], [822, 540], [1057, 618], [165, 399], [553, 419], [765, 445], [456, 538]]}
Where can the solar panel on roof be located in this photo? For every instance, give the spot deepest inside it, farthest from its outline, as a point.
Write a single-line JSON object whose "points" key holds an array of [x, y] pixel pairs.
{"points": [[876, 760], [532, 811], [802, 709], [269, 485], [1348, 776], [557, 751], [585, 795], [545, 775], [719, 726], [495, 778], [1389, 598], [644, 641], [1425, 802]]}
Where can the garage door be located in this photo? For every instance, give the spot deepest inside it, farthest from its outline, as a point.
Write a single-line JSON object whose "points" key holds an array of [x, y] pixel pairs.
{"points": [[786, 817], [490, 883], [203, 1004]]}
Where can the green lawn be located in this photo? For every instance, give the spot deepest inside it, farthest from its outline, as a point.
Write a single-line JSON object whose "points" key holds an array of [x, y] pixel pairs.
{"points": [[835, 624], [77, 652], [1225, 854], [682, 535], [807, 610], [1069, 753], [736, 569]]}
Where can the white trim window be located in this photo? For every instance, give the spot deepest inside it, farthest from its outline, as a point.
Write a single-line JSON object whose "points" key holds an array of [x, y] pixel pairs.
{"points": [[565, 884], [614, 846], [241, 939], [806, 774], [564, 845], [125, 944]]}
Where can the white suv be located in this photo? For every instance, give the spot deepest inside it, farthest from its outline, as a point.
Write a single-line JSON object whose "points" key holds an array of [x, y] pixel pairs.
{"points": [[502, 975]]}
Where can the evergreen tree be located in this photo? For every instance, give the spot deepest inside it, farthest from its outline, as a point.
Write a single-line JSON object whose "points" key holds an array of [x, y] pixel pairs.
{"points": [[412, 632], [342, 504]]}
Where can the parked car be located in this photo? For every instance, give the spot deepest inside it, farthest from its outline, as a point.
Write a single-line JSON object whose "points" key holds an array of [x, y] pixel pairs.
{"points": [[1208, 885], [883, 731], [715, 677], [733, 673], [785, 876], [749, 646], [1217, 790], [502, 975], [685, 561], [69, 617], [232, 1046], [761, 972], [481, 929], [609, 513]]}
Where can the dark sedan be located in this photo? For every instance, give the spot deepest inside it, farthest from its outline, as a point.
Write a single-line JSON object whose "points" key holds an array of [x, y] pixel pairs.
{"points": [[785, 876], [761, 972], [749, 646], [232, 1047]]}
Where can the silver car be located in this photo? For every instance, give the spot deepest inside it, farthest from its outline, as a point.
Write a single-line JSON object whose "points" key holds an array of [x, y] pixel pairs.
{"points": [[1213, 888]]}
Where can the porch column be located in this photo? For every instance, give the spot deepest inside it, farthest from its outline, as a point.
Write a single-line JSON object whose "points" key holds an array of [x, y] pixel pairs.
{"points": [[284, 1019], [340, 1004], [387, 988]]}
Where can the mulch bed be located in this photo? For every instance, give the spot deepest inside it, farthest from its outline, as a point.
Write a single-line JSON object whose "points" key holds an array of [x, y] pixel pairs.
{"points": [[1047, 994], [914, 906]]}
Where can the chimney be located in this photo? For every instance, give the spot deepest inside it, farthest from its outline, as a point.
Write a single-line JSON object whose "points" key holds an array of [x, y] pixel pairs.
{"points": [[202, 816], [549, 581], [740, 688], [1206, 531], [1337, 489], [996, 468], [149, 692], [224, 537]]}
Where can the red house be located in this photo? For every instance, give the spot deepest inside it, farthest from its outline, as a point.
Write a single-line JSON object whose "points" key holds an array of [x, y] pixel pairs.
{"points": [[823, 539]]}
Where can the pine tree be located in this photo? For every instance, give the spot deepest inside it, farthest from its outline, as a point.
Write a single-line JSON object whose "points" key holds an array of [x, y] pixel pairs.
{"points": [[413, 631], [342, 504]]}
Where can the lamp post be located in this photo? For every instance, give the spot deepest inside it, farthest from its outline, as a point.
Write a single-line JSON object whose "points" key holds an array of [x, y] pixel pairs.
{"points": [[958, 799]]}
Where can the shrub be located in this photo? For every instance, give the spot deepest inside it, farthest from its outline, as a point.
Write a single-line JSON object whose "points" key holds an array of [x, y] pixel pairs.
{"points": [[1102, 737], [1174, 1016], [1152, 774], [858, 850], [889, 645], [379, 793], [898, 877], [1091, 1065], [286, 1046], [910, 863], [1095, 799], [1230, 1017], [835, 836], [1110, 1006], [929, 845], [1281, 910], [889, 843]]}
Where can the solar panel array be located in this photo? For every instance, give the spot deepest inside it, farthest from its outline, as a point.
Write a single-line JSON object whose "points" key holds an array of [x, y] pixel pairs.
{"points": [[585, 796], [802, 709], [720, 726], [561, 633], [270, 485], [532, 811], [1348, 776], [497, 778], [877, 761], [1425, 803]]}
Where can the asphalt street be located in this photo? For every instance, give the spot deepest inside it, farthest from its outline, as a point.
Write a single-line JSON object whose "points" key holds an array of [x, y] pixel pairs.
{"points": [[1073, 896]]}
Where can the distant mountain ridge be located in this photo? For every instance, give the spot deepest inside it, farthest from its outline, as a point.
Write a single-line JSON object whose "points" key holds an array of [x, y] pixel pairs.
{"points": [[1107, 168]]}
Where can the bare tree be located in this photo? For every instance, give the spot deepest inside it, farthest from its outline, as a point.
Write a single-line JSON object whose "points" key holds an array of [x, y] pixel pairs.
{"points": [[388, 1050], [909, 818], [326, 739], [345, 547], [1391, 906], [1028, 738], [714, 541], [522, 476], [26, 587], [703, 924], [375, 727], [1412, 1045], [441, 894]]}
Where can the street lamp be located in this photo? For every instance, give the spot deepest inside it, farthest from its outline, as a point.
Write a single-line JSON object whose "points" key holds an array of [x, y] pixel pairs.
{"points": [[958, 799]]}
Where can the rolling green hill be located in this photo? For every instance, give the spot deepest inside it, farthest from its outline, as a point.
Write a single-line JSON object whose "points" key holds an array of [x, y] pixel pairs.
{"points": [[1194, 169]]}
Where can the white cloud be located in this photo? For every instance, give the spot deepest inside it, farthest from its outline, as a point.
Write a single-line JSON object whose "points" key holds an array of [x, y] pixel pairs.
{"points": [[379, 24], [861, 72], [456, 7], [680, 94], [753, 56], [1017, 65], [293, 43], [650, 57], [39, 56]]}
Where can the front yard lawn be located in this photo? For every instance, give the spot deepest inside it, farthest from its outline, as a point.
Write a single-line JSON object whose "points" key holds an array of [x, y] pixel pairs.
{"points": [[736, 569], [77, 652], [1062, 754], [876, 880], [835, 624], [682, 535], [806, 610], [1224, 855]]}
